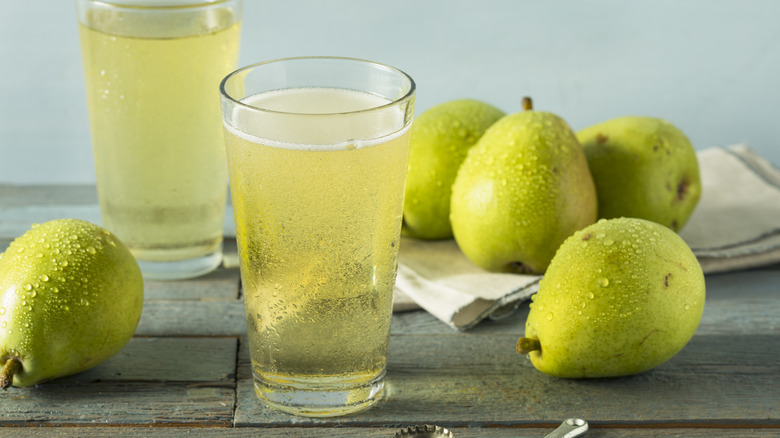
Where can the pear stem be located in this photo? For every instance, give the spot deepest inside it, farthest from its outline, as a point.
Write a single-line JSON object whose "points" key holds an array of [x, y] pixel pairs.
{"points": [[12, 366], [527, 345], [528, 104]]}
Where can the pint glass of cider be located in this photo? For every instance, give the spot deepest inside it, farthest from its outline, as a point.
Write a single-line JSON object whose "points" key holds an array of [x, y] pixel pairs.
{"points": [[317, 155], [152, 70]]}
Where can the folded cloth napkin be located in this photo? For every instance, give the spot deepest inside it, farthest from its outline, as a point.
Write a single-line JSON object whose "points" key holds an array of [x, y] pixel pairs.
{"points": [[736, 225]]}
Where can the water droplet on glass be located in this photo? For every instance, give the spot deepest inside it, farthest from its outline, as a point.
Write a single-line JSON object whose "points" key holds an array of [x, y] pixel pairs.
{"points": [[591, 295], [604, 281], [28, 286], [687, 306], [550, 316], [91, 250], [45, 277]]}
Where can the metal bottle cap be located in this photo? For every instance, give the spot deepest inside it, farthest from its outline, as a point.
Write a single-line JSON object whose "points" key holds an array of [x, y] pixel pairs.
{"points": [[424, 431]]}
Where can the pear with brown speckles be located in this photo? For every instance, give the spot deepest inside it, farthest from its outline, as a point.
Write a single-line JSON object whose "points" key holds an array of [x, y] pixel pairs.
{"points": [[620, 297], [70, 298], [643, 167]]}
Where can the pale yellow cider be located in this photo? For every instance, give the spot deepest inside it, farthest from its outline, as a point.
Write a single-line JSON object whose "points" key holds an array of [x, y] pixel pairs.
{"points": [[156, 131], [318, 234]]}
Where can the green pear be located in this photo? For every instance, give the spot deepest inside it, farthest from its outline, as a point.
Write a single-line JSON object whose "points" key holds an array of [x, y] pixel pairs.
{"points": [[620, 297], [70, 298], [522, 189], [643, 167], [441, 137]]}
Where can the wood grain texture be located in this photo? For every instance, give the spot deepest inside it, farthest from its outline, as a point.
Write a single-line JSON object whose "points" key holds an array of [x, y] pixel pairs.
{"points": [[166, 360], [197, 404], [151, 381], [477, 381], [366, 432], [187, 372], [220, 284], [192, 318]]}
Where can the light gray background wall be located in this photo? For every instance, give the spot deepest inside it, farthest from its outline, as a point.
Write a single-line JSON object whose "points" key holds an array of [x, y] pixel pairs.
{"points": [[710, 67]]}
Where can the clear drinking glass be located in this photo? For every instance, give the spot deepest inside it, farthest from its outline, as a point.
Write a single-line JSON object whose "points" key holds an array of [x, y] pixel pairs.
{"points": [[317, 155], [151, 69]]}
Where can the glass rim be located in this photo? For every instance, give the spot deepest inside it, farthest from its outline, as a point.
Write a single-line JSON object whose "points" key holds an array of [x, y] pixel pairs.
{"points": [[151, 4], [405, 98]]}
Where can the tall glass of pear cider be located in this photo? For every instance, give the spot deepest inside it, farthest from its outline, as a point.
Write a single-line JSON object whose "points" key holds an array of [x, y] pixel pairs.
{"points": [[152, 70], [317, 155]]}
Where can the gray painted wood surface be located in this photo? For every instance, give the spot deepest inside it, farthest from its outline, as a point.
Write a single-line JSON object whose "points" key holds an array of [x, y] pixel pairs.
{"points": [[186, 373]]}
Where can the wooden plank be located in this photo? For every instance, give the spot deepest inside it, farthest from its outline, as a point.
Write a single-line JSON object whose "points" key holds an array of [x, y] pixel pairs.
{"points": [[192, 318], [219, 284], [152, 380], [477, 381], [367, 432], [166, 360], [121, 403]]}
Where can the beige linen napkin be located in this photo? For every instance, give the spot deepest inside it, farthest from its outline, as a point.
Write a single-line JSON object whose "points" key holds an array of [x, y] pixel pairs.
{"points": [[737, 222], [736, 225]]}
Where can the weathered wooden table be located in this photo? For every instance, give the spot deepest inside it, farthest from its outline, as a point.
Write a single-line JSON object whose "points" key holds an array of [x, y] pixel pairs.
{"points": [[186, 372]]}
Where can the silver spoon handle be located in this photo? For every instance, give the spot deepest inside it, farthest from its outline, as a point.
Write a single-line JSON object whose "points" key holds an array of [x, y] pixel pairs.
{"points": [[570, 428]]}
